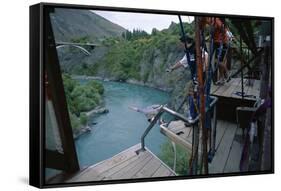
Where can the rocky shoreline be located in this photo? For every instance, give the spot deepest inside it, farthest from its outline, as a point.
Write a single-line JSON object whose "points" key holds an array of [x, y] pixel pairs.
{"points": [[82, 130], [97, 110], [87, 128]]}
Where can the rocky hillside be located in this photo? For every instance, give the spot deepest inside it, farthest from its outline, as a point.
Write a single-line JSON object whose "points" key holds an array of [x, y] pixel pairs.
{"points": [[71, 24]]}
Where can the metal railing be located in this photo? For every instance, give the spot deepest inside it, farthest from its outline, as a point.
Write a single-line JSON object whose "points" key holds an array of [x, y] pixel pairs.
{"points": [[163, 109]]}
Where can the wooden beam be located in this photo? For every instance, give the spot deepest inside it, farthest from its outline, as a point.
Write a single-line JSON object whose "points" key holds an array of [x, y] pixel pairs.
{"points": [[246, 64], [175, 138], [55, 85]]}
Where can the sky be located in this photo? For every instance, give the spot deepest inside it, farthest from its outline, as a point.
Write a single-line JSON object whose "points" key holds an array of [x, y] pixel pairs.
{"points": [[142, 21]]}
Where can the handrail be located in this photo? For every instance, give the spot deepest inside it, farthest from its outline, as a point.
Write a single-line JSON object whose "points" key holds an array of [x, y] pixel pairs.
{"points": [[152, 123], [191, 122], [214, 101], [180, 116], [163, 109]]}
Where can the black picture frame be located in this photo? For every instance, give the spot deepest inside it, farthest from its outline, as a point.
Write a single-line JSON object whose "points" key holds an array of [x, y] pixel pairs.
{"points": [[43, 57]]}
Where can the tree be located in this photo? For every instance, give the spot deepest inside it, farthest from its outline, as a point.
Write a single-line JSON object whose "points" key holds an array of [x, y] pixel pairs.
{"points": [[84, 119], [154, 32], [81, 98], [84, 39], [74, 121]]}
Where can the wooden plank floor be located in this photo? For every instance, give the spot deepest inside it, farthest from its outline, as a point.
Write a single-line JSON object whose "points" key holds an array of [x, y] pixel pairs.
{"points": [[233, 160], [129, 165], [125, 165], [229, 149], [234, 85], [228, 144]]}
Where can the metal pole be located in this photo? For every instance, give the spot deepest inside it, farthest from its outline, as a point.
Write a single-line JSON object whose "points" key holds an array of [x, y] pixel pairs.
{"points": [[152, 123]]}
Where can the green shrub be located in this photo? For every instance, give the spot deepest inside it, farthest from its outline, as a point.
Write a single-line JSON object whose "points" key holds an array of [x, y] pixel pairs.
{"points": [[167, 155], [96, 85], [83, 119], [81, 98], [74, 120]]}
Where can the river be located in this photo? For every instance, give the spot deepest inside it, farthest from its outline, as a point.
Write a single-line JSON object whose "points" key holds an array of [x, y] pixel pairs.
{"points": [[122, 127]]}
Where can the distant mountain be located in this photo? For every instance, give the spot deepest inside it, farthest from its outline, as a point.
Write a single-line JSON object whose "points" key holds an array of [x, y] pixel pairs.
{"points": [[69, 24]]}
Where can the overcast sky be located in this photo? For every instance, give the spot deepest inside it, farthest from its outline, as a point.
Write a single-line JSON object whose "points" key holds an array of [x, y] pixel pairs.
{"points": [[143, 21]]}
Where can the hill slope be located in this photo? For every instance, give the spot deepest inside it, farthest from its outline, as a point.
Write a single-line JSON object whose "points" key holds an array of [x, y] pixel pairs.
{"points": [[69, 24]]}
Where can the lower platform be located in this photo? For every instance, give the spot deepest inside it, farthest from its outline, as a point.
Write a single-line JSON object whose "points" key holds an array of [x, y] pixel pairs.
{"points": [[125, 165]]}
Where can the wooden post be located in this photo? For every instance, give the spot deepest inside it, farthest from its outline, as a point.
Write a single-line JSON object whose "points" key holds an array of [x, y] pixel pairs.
{"points": [[55, 85], [201, 93], [195, 146], [265, 68], [265, 129]]}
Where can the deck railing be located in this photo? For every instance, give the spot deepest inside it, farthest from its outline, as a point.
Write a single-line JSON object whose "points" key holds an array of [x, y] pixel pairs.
{"points": [[189, 122]]}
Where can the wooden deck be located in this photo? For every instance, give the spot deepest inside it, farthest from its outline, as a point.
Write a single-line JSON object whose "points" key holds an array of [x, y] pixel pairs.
{"points": [[125, 165], [229, 101], [228, 144], [129, 165], [234, 85]]}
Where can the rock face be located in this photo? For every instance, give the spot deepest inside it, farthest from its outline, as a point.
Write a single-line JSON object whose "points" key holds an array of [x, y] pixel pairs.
{"points": [[72, 59], [153, 69]]}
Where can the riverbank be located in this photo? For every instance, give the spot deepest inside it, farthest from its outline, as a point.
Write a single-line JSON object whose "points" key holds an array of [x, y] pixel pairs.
{"points": [[82, 130], [97, 110], [92, 113], [86, 128]]}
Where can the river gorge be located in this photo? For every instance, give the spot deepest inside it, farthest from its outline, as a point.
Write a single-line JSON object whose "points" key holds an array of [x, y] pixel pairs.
{"points": [[121, 127]]}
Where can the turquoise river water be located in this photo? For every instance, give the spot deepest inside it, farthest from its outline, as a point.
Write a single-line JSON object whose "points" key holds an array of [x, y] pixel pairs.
{"points": [[122, 127]]}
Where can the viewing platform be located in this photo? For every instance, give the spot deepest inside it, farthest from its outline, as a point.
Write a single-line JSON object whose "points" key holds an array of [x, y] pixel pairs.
{"points": [[230, 89], [227, 141], [228, 144], [129, 165]]}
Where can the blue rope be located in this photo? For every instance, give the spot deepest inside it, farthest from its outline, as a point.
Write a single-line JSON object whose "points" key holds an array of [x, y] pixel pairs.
{"points": [[209, 77], [192, 67]]}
